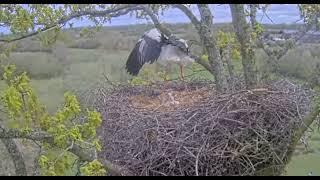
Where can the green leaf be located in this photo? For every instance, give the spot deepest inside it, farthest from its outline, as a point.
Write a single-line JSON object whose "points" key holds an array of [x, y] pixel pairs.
{"points": [[94, 168]]}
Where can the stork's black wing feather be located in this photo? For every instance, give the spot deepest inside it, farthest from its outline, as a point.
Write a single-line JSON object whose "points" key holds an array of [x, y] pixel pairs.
{"points": [[147, 50], [133, 65]]}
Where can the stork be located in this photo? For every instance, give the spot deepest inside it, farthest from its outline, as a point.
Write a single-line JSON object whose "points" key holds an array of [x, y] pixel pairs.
{"points": [[154, 46]]}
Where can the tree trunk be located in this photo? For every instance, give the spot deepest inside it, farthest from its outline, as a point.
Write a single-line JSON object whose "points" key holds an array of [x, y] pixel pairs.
{"points": [[207, 39], [227, 59], [242, 31], [215, 65]]}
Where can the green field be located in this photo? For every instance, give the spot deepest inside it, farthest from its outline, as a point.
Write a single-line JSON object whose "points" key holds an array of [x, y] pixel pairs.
{"points": [[79, 69]]}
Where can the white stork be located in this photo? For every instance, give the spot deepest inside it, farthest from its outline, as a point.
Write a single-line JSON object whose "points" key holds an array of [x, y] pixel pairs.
{"points": [[155, 46]]}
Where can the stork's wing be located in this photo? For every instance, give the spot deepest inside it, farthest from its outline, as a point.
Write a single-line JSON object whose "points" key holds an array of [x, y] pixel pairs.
{"points": [[147, 50]]}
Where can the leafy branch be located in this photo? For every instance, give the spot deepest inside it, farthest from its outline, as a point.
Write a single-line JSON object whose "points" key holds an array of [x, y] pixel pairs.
{"points": [[114, 12], [84, 155], [60, 131]]}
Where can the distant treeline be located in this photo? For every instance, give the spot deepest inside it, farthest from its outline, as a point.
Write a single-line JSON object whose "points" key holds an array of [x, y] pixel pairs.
{"points": [[141, 27]]}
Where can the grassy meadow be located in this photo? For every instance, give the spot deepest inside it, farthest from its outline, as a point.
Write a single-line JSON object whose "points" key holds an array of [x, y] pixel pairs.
{"points": [[77, 64]]}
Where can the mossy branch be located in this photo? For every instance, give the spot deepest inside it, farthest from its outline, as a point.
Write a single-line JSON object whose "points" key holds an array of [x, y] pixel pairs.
{"points": [[16, 156], [83, 154]]}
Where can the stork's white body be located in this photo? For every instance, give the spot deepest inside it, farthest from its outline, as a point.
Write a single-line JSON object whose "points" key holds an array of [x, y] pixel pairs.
{"points": [[172, 54], [169, 53], [154, 46]]}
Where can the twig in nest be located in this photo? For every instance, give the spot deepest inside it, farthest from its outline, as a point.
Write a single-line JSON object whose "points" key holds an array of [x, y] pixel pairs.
{"points": [[108, 80]]}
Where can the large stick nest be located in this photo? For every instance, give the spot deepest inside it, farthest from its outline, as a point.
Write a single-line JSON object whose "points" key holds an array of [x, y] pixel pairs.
{"points": [[200, 132]]}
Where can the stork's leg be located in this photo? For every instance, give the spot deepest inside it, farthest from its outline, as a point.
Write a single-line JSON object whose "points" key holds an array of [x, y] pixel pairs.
{"points": [[182, 75], [166, 73], [181, 72]]}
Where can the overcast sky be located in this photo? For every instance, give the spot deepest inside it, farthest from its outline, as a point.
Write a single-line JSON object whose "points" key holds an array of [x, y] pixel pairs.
{"points": [[284, 13]]}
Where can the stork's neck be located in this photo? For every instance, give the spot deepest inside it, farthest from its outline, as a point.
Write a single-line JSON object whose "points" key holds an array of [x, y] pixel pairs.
{"points": [[174, 41]]}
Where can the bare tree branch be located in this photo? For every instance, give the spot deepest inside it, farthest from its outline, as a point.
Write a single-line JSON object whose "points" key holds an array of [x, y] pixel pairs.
{"points": [[284, 51], [273, 57], [155, 21], [189, 14], [203, 63], [279, 55], [253, 15], [265, 13]]}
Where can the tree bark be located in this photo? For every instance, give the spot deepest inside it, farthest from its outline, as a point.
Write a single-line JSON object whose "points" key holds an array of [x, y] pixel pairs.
{"points": [[209, 42], [204, 28], [227, 59], [247, 52], [16, 156], [84, 154]]}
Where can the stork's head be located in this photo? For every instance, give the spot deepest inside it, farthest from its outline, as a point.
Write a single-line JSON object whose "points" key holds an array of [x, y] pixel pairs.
{"points": [[183, 45]]}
